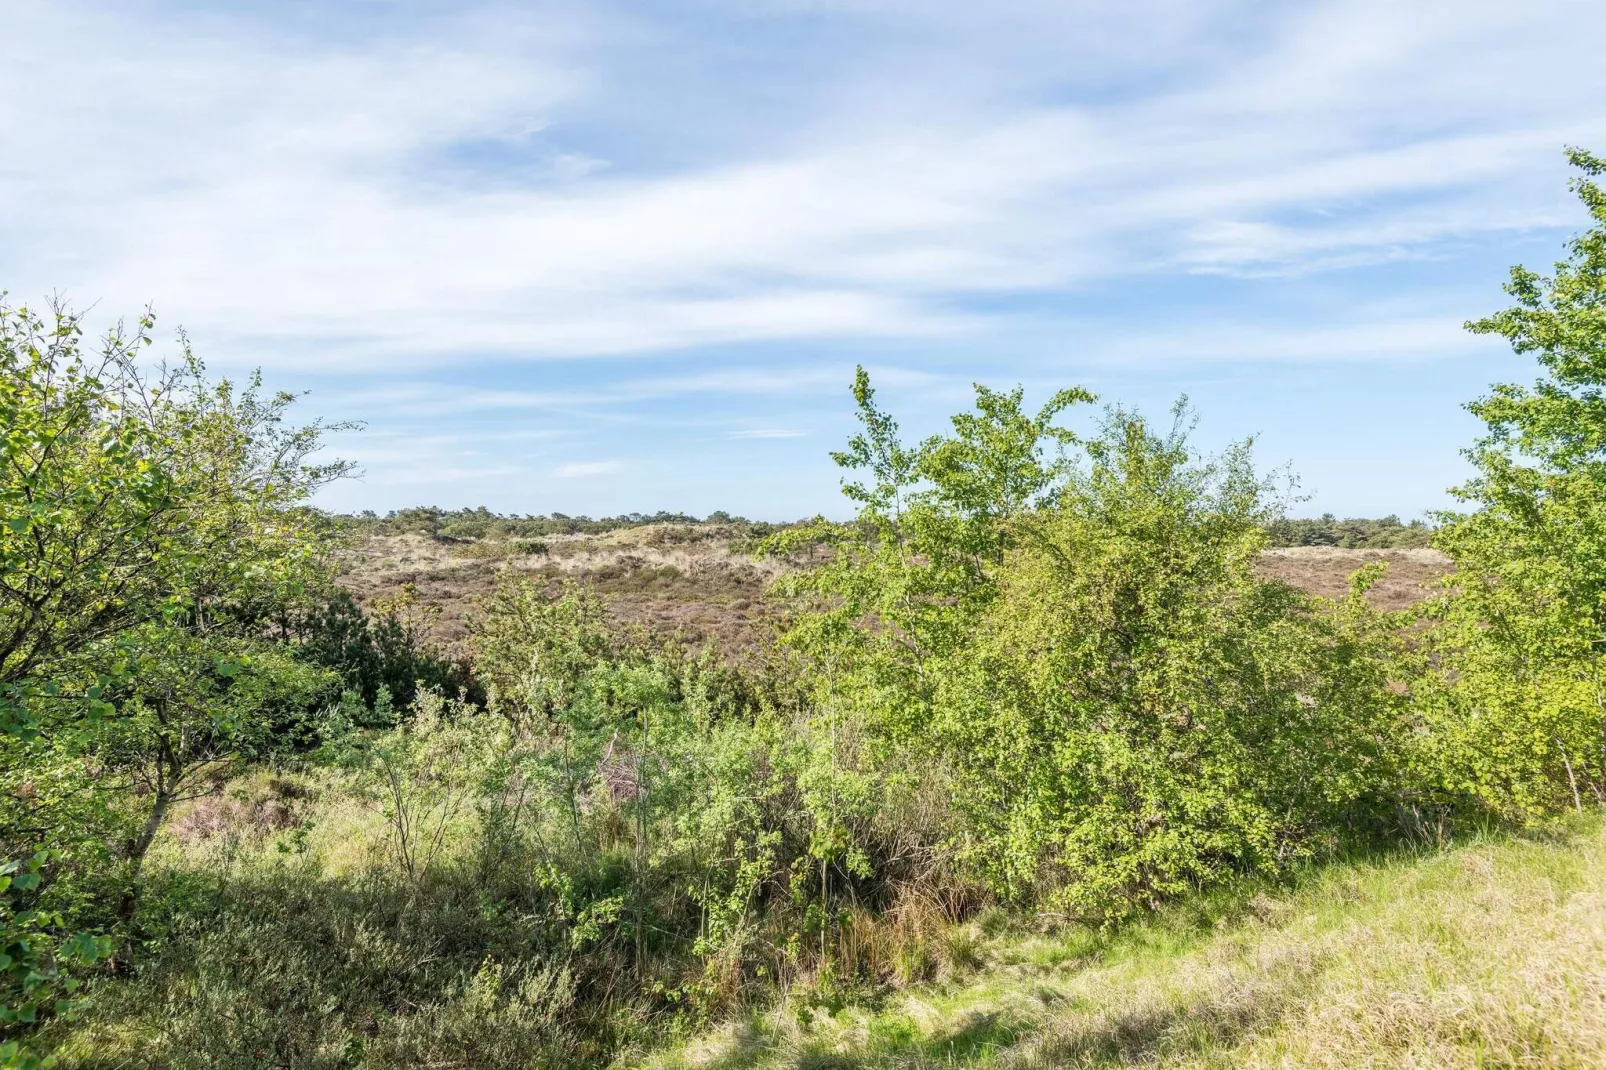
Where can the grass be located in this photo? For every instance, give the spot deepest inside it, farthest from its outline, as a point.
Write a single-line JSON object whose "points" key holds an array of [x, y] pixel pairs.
{"points": [[1487, 953], [1490, 953]]}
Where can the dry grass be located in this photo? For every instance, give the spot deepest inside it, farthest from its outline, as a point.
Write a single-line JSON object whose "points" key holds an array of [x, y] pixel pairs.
{"points": [[1325, 570], [696, 582], [1489, 954], [699, 587]]}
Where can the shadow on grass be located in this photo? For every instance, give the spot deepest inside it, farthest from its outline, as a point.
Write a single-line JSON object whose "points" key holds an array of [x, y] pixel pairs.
{"points": [[1117, 1028]]}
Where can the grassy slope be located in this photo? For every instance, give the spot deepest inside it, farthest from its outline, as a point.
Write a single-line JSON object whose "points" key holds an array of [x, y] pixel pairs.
{"points": [[1491, 953]]}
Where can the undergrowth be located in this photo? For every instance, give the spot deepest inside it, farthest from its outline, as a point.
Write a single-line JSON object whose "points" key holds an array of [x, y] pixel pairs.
{"points": [[1490, 952]]}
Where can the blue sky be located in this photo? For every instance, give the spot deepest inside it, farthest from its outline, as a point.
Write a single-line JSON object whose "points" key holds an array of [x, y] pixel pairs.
{"points": [[600, 257]]}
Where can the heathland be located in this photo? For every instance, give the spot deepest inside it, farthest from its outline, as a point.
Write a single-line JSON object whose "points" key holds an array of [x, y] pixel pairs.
{"points": [[1070, 747]]}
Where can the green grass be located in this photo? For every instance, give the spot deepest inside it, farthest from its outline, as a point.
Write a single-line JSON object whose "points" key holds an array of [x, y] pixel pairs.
{"points": [[1490, 953]]}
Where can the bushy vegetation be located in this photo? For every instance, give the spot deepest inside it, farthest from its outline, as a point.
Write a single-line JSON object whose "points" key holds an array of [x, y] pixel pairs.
{"points": [[1351, 533], [382, 656], [1036, 678], [1488, 952]]}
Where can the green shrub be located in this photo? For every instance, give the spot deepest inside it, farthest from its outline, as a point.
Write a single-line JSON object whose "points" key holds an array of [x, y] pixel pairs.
{"points": [[1082, 652], [1515, 707], [1137, 713], [384, 651]]}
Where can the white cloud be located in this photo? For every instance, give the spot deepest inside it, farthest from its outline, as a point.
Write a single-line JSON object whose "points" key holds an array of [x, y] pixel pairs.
{"points": [[1244, 342], [586, 469], [286, 200]]}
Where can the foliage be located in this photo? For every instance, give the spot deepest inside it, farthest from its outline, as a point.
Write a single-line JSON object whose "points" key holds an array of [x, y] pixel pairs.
{"points": [[534, 651], [1484, 952], [193, 710], [129, 497], [148, 519], [1138, 713], [384, 651], [38, 966], [1351, 533], [421, 779], [1037, 675], [1517, 711], [282, 965], [1081, 644]]}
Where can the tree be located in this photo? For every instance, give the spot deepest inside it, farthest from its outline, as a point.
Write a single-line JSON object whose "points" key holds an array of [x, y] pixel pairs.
{"points": [[900, 594], [1137, 712], [129, 496], [142, 512], [1069, 633], [1519, 714]]}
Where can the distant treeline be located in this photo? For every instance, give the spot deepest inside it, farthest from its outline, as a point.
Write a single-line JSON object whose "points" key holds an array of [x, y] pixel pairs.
{"points": [[1355, 533], [446, 525], [467, 524]]}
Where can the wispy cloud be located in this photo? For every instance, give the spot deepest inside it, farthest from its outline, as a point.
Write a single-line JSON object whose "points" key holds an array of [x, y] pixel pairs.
{"points": [[290, 212], [434, 212], [586, 469], [1232, 342]]}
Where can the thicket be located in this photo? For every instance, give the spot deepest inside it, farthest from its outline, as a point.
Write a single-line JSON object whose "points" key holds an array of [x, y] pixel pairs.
{"points": [[383, 657], [1351, 533], [1037, 674]]}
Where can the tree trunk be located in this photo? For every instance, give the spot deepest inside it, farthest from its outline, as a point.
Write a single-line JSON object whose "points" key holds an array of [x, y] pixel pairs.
{"points": [[137, 848]]}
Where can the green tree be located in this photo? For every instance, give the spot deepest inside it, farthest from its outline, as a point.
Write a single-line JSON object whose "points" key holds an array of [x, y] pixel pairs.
{"points": [[1137, 712], [1069, 633], [193, 710], [897, 597], [1519, 712], [134, 501], [128, 496]]}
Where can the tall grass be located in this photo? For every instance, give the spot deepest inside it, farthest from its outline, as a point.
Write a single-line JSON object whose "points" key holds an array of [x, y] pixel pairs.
{"points": [[1490, 953]]}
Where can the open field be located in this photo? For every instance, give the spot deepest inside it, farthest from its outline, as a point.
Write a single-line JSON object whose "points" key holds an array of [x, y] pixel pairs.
{"points": [[699, 583], [1325, 571], [673, 579]]}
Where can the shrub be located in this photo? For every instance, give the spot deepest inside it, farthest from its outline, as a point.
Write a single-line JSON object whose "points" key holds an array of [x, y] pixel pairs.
{"points": [[387, 652], [1515, 709], [1083, 653], [1137, 713]]}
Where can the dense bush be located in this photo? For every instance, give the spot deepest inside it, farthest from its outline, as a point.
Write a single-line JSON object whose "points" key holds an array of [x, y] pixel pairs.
{"points": [[1515, 704], [383, 657], [1079, 640], [1136, 713]]}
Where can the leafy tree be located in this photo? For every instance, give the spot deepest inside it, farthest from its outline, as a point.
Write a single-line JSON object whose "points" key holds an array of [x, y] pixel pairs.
{"points": [[1070, 633], [134, 502], [128, 496], [193, 711], [1137, 712], [899, 594], [1519, 714]]}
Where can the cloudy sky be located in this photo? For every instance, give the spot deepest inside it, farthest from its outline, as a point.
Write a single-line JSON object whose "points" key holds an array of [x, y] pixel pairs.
{"points": [[601, 257]]}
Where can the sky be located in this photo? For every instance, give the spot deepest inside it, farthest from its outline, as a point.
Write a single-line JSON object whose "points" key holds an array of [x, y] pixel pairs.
{"points": [[609, 257]]}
